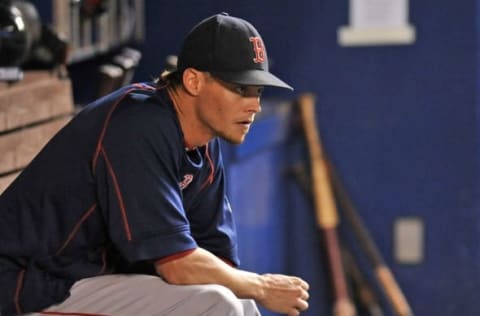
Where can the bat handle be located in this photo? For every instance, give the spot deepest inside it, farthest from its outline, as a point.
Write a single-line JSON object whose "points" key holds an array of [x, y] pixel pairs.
{"points": [[397, 299], [344, 307]]}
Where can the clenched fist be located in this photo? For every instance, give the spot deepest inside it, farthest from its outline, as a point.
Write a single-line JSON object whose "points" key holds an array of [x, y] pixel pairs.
{"points": [[284, 294]]}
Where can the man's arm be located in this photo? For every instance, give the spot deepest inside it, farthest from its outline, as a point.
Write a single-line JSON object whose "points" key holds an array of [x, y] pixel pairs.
{"points": [[279, 293]]}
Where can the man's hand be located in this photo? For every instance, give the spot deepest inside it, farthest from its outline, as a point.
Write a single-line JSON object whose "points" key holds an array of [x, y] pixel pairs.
{"points": [[277, 292], [284, 294]]}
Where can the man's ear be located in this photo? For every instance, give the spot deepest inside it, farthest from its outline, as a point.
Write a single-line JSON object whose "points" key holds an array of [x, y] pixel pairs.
{"points": [[193, 80]]}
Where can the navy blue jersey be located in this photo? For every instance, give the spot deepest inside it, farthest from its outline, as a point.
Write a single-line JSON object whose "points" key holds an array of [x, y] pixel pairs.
{"points": [[114, 191]]}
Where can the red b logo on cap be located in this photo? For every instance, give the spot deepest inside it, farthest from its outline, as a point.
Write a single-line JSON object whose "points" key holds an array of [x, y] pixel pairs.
{"points": [[258, 49]]}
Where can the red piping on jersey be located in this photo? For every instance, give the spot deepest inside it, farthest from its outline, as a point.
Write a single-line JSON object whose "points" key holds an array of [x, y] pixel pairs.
{"points": [[99, 148], [121, 204], [135, 86], [76, 228], [70, 313], [212, 169], [175, 256], [104, 262], [18, 289], [184, 253]]}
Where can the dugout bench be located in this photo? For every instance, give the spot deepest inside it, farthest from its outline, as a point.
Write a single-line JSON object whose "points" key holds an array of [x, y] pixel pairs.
{"points": [[32, 110]]}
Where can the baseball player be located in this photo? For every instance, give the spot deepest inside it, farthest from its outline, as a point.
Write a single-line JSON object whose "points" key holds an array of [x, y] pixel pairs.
{"points": [[124, 211]]}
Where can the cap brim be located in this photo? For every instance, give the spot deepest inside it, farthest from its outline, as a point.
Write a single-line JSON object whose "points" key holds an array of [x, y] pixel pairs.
{"points": [[252, 77]]}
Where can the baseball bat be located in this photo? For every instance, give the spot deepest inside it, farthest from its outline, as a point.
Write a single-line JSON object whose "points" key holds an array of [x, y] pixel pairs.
{"points": [[325, 208], [361, 286], [383, 273], [363, 289]]}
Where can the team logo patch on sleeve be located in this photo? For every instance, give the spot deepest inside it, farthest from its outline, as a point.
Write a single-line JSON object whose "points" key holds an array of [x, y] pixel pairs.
{"points": [[187, 179]]}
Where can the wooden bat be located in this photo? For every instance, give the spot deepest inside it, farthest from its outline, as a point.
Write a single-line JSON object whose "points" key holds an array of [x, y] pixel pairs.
{"points": [[361, 286], [325, 208], [363, 289], [382, 272]]}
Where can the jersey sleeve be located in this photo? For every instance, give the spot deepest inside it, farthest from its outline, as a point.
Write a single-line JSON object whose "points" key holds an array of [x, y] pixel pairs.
{"points": [[211, 217], [137, 183]]}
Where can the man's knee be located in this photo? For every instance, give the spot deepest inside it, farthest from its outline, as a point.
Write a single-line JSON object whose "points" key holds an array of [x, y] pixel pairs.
{"points": [[222, 301], [250, 308]]}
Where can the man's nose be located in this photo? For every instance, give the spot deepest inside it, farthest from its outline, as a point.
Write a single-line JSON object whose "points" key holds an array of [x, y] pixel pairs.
{"points": [[254, 105]]}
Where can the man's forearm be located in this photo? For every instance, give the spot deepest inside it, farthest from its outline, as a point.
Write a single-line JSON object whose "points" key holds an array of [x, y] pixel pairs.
{"points": [[280, 293], [202, 267]]}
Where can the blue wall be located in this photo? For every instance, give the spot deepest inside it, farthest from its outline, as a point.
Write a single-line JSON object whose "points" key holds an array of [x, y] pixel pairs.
{"points": [[399, 122]]}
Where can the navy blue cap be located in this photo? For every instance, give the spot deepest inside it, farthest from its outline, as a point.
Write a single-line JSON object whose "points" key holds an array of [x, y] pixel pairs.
{"points": [[229, 48]]}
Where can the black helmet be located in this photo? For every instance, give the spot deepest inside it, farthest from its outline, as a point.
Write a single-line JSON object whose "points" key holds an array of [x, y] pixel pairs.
{"points": [[14, 40]]}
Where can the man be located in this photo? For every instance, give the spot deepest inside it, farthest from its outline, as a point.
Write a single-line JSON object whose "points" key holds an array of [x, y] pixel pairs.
{"points": [[124, 211]]}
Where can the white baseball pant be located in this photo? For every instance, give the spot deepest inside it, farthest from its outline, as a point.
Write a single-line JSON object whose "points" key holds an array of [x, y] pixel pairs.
{"points": [[146, 295]]}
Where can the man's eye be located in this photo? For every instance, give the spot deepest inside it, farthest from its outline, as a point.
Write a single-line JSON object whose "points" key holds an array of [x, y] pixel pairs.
{"points": [[249, 91], [242, 90]]}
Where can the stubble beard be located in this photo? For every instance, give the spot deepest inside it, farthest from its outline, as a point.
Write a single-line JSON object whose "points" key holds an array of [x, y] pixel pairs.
{"points": [[231, 139]]}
